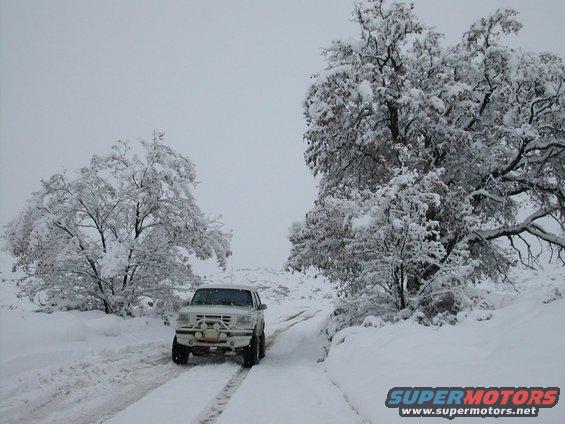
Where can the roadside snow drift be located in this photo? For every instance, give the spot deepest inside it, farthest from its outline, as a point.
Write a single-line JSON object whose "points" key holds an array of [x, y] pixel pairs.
{"points": [[521, 344]]}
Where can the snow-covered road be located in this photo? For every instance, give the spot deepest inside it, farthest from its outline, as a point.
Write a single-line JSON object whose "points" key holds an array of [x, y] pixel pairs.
{"points": [[87, 367], [289, 385]]}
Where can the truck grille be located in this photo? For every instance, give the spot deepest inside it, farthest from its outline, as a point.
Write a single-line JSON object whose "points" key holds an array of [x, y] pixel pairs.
{"points": [[211, 319]]}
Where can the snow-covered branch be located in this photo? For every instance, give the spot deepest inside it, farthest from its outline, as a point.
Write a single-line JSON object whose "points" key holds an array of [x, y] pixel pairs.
{"points": [[526, 225]]}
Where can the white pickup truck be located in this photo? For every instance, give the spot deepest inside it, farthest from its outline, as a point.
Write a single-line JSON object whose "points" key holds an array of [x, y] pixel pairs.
{"points": [[221, 319]]}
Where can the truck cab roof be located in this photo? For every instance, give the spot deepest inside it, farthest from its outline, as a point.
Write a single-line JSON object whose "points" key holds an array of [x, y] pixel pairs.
{"points": [[227, 286]]}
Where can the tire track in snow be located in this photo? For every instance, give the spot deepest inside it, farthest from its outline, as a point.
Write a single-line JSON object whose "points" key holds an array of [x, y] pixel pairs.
{"points": [[215, 408], [290, 318], [346, 398], [78, 390]]}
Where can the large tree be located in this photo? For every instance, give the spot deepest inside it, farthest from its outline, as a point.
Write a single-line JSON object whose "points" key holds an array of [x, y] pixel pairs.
{"points": [[117, 235], [477, 126]]}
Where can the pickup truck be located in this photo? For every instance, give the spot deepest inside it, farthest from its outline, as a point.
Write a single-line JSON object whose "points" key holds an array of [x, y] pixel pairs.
{"points": [[221, 319]]}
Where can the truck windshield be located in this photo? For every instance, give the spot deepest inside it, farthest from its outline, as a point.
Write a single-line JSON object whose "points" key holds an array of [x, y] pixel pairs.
{"points": [[227, 297]]}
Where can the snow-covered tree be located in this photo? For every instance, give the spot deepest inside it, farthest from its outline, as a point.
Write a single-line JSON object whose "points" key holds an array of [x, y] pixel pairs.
{"points": [[482, 119], [375, 243], [116, 236]]}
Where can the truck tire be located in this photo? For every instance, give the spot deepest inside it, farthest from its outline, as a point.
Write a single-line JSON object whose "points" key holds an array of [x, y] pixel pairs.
{"points": [[251, 353], [180, 353], [262, 346]]}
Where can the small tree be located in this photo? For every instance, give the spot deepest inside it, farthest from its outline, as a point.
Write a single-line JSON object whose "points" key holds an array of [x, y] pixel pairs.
{"points": [[117, 235], [485, 120]]}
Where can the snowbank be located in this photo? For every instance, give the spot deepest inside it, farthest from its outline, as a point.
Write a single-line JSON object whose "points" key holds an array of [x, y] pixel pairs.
{"points": [[520, 344], [32, 340]]}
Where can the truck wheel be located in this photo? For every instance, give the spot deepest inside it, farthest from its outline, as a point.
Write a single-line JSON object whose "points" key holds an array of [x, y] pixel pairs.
{"points": [[262, 345], [251, 353], [180, 353]]}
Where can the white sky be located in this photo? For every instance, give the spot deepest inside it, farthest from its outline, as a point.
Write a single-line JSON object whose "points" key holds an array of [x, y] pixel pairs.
{"points": [[224, 79]]}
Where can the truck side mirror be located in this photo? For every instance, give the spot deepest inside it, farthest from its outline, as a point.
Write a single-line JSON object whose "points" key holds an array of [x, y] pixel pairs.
{"points": [[262, 307]]}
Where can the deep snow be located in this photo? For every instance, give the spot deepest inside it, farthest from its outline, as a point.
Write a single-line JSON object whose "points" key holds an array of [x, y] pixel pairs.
{"points": [[520, 344], [86, 367]]}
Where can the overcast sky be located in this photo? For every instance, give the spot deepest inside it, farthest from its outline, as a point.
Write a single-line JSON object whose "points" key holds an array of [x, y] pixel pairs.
{"points": [[224, 80]]}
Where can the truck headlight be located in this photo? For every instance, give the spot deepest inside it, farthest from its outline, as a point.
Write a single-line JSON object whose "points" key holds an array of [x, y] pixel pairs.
{"points": [[245, 319], [184, 319]]}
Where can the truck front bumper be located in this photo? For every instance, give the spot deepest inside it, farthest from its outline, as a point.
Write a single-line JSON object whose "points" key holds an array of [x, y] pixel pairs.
{"points": [[233, 339]]}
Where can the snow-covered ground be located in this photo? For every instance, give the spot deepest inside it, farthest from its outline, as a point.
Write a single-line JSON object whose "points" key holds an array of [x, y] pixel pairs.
{"points": [[522, 343], [86, 367], [89, 367]]}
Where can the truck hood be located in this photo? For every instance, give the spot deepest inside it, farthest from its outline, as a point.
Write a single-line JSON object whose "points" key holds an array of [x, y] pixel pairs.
{"points": [[216, 310]]}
